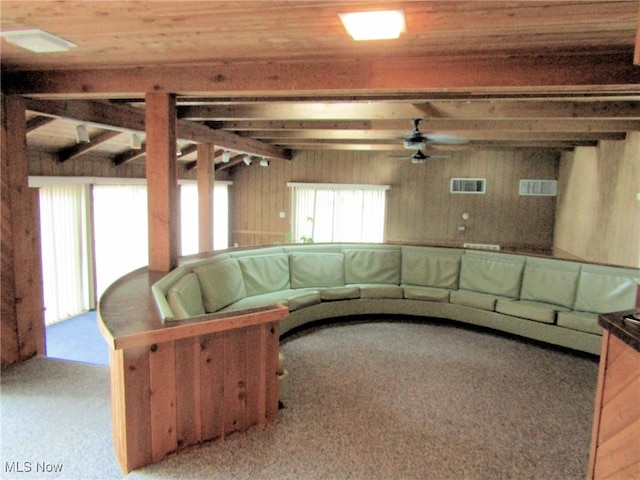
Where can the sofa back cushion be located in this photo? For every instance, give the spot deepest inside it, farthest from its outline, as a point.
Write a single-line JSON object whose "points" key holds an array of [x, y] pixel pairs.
{"points": [[185, 297], [603, 289], [372, 266], [493, 273], [316, 270], [430, 267], [221, 283], [550, 281], [265, 273]]}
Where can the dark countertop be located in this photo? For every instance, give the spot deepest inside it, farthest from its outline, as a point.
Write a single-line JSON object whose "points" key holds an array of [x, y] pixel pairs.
{"points": [[616, 324]]}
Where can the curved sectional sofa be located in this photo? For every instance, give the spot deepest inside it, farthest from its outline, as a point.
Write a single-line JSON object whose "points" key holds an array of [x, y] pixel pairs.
{"points": [[550, 300]]}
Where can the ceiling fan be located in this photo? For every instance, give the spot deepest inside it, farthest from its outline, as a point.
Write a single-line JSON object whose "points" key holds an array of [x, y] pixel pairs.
{"points": [[420, 157], [416, 140]]}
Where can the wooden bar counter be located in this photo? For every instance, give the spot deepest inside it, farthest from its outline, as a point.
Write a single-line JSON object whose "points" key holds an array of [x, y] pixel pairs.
{"points": [[180, 384], [615, 442]]}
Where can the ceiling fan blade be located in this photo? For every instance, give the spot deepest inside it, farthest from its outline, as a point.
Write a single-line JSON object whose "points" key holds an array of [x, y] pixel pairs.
{"points": [[446, 138]]}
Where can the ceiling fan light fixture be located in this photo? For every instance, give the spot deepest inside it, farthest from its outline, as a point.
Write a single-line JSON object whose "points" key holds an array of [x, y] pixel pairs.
{"points": [[374, 25]]}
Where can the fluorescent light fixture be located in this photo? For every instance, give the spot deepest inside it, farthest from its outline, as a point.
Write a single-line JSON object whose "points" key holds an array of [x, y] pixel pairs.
{"points": [[82, 134], [136, 143], [37, 41], [226, 156], [375, 25]]}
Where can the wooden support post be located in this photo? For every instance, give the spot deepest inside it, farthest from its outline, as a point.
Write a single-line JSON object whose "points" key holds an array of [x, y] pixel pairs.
{"points": [[162, 185], [206, 183], [22, 296]]}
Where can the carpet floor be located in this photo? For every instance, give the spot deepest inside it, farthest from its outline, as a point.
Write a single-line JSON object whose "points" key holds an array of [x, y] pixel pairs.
{"points": [[368, 400], [78, 339]]}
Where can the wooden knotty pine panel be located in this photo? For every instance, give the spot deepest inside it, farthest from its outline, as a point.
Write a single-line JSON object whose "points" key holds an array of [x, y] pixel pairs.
{"points": [[162, 401], [618, 454]]}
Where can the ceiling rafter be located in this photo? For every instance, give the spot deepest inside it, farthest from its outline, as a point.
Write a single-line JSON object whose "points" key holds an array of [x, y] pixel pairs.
{"points": [[80, 149]]}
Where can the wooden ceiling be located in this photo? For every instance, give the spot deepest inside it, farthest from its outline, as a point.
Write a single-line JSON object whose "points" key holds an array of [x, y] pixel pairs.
{"points": [[273, 77]]}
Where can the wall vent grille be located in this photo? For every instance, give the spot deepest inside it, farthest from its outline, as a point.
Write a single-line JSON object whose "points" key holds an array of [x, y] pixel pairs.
{"points": [[482, 246], [539, 188], [468, 185]]}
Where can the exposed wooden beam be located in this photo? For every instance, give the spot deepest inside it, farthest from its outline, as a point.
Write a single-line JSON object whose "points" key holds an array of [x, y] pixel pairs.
{"points": [[481, 109], [479, 145], [129, 155], [440, 124], [75, 151], [123, 117], [636, 53], [37, 122], [539, 73]]}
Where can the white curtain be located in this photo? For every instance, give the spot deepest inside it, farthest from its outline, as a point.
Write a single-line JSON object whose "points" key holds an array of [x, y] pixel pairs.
{"points": [[189, 217], [121, 231], [338, 213], [65, 251]]}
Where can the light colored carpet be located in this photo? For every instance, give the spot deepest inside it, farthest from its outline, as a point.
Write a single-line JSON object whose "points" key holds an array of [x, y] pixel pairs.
{"points": [[368, 400]]}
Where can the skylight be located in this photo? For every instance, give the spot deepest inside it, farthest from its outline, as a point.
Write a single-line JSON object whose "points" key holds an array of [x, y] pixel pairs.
{"points": [[37, 41], [374, 25]]}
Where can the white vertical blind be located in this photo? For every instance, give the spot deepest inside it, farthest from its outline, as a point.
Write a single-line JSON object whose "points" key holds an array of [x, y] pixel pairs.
{"points": [[121, 231], [65, 252], [189, 217], [338, 213]]}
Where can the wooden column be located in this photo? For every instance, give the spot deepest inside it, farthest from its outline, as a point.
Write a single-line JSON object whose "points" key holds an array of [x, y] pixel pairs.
{"points": [[162, 186], [206, 176], [22, 296]]}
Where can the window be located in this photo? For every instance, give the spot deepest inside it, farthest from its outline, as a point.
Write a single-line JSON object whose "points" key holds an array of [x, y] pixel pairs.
{"points": [[189, 216], [338, 213]]}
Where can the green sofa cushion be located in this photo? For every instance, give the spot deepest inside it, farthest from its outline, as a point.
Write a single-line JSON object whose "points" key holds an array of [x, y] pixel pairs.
{"points": [[339, 293], [468, 298], [550, 281], [185, 297], [492, 273], [221, 283], [428, 268], [301, 300], [380, 291], [265, 273], [582, 321], [429, 294], [603, 289], [372, 266], [540, 312], [316, 270]]}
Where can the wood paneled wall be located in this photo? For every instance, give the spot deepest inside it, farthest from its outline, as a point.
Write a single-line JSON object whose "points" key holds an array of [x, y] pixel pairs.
{"points": [[420, 208], [598, 214]]}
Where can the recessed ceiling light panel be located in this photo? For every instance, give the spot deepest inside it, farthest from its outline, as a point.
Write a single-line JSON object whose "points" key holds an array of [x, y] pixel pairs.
{"points": [[37, 41], [374, 25]]}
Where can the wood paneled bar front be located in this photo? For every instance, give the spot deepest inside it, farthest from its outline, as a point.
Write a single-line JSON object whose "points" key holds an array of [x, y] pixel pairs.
{"points": [[180, 384]]}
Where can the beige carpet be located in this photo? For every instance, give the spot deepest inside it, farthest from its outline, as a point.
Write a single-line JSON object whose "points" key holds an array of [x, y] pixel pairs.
{"points": [[374, 400]]}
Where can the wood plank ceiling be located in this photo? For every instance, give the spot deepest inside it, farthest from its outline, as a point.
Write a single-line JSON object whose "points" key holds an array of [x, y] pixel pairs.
{"points": [[271, 78]]}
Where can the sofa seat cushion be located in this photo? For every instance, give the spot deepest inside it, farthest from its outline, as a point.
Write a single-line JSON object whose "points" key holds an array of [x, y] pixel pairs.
{"points": [[221, 283], [538, 311], [468, 298], [372, 266], [293, 299], [582, 321], [185, 297], [428, 294], [316, 269], [380, 291], [431, 267], [493, 273], [266, 273], [339, 293], [281, 363]]}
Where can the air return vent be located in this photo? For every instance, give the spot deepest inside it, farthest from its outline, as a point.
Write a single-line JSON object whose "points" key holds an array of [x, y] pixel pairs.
{"points": [[538, 188], [468, 185]]}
